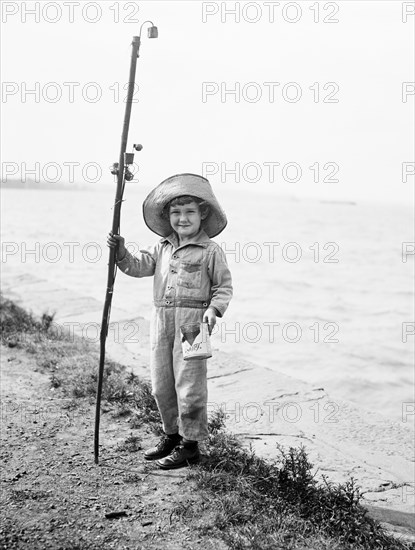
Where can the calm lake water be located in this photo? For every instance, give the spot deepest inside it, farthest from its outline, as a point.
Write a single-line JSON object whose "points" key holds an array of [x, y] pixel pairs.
{"points": [[321, 289]]}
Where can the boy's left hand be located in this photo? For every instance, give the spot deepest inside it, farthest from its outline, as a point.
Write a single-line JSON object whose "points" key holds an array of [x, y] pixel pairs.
{"points": [[209, 317]]}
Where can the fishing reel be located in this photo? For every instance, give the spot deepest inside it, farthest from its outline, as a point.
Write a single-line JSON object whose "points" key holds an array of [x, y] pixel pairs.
{"points": [[128, 160]]}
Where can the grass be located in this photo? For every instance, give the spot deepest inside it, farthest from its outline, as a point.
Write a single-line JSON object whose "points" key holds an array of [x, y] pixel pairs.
{"points": [[72, 364], [258, 504], [246, 501]]}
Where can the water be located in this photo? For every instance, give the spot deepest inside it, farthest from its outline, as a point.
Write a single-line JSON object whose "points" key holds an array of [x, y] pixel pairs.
{"points": [[321, 291]]}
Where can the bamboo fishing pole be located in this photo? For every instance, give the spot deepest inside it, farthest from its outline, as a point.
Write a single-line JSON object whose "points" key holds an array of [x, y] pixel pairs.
{"points": [[123, 174]]}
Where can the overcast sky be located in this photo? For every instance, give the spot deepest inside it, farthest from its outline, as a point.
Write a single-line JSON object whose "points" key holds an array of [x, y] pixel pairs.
{"points": [[326, 85]]}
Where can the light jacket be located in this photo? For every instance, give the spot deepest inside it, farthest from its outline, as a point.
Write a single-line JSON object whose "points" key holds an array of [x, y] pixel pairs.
{"points": [[194, 274]]}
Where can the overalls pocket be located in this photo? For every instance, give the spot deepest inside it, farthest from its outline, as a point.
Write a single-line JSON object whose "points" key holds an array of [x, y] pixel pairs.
{"points": [[190, 275]]}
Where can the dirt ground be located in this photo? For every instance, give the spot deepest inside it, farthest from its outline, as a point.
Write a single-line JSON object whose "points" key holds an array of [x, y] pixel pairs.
{"points": [[54, 496]]}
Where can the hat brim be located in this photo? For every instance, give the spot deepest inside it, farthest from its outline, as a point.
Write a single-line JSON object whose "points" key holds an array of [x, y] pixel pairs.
{"points": [[176, 186]]}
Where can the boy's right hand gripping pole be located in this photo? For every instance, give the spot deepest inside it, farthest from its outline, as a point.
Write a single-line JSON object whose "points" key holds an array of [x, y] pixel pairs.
{"points": [[123, 174]]}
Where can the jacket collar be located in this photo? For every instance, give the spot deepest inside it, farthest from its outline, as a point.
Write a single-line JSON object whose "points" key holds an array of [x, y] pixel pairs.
{"points": [[200, 239]]}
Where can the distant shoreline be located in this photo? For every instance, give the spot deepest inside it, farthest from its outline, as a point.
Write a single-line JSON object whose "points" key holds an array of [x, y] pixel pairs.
{"points": [[67, 186], [31, 184]]}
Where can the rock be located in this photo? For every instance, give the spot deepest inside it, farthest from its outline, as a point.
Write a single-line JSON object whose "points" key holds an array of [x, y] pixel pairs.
{"points": [[114, 515]]}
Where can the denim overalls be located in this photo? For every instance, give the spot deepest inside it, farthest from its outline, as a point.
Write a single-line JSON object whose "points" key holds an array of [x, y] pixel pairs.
{"points": [[187, 280]]}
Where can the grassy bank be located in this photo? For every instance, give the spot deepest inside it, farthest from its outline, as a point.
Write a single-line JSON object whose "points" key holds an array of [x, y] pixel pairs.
{"points": [[233, 497]]}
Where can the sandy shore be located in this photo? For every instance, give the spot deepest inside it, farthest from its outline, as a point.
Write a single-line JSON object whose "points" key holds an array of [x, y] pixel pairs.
{"points": [[267, 408]]}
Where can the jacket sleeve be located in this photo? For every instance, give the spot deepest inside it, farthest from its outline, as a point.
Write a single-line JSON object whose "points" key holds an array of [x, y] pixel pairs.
{"points": [[142, 264], [221, 279]]}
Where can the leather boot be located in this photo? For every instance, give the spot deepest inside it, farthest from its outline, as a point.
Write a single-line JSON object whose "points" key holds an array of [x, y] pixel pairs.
{"points": [[163, 448], [181, 456]]}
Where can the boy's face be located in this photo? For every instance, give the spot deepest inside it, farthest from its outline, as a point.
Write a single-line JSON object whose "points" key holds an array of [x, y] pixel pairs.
{"points": [[185, 219]]}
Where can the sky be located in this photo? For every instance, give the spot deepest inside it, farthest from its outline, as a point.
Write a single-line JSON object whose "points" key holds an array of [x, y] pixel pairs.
{"points": [[306, 99]]}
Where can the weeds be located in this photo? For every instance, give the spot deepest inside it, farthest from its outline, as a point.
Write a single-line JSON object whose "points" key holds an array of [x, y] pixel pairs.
{"points": [[261, 505], [73, 365], [132, 444]]}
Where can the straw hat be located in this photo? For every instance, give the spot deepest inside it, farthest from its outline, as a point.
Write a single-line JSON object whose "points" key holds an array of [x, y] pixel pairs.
{"points": [[176, 186]]}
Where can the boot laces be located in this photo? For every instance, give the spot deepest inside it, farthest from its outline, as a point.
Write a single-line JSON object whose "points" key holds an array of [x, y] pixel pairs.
{"points": [[177, 451]]}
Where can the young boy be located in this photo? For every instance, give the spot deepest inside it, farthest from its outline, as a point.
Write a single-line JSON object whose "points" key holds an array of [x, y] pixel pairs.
{"points": [[192, 284]]}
